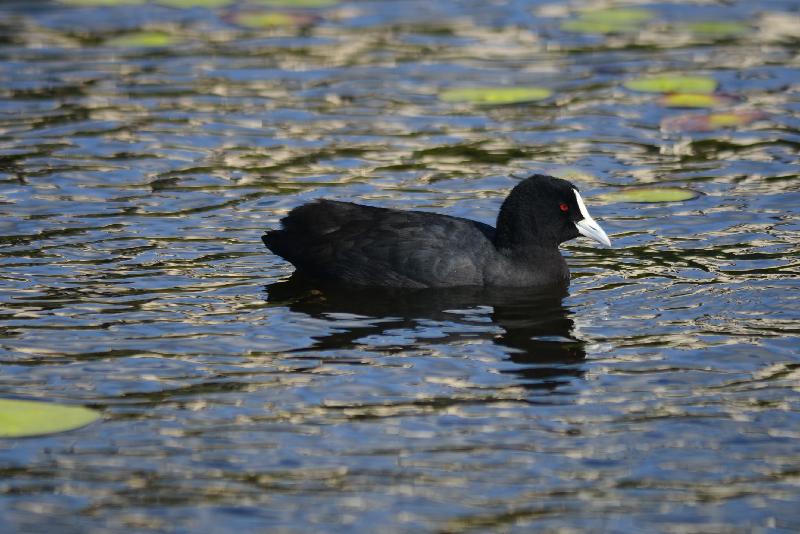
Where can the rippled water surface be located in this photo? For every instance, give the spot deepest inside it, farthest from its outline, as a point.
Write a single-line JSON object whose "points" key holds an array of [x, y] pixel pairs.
{"points": [[662, 394]]}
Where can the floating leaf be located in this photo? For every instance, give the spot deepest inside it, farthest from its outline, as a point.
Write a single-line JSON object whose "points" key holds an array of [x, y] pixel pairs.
{"points": [[21, 418], [297, 3], [271, 19], [621, 20], [717, 28], [694, 100], [727, 120], [673, 84], [590, 26], [186, 4], [710, 122], [650, 194], [142, 40], [618, 15], [495, 95]]}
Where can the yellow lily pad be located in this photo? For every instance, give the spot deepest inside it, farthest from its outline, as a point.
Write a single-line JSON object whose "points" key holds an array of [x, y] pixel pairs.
{"points": [[723, 28], [726, 120], [619, 20], [711, 121], [495, 95], [673, 84], [650, 194], [144, 39], [694, 100], [23, 418]]}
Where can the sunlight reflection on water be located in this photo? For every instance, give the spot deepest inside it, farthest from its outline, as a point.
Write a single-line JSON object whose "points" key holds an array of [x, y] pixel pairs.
{"points": [[135, 182]]}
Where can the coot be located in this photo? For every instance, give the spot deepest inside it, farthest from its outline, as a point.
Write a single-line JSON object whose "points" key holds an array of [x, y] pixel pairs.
{"points": [[351, 244]]}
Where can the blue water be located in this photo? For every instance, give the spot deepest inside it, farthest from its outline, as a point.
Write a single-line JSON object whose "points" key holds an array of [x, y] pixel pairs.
{"points": [[661, 395]]}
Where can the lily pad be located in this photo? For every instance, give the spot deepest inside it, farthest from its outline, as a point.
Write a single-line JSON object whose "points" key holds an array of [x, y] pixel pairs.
{"points": [[22, 418], [297, 3], [495, 95], [145, 39], [271, 19], [650, 194], [727, 120], [621, 20], [694, 100], [710, 122], [673, 84], [722, 28]]}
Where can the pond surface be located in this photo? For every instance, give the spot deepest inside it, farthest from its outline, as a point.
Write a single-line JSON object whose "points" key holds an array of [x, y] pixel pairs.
{"points": [[138, 172]]}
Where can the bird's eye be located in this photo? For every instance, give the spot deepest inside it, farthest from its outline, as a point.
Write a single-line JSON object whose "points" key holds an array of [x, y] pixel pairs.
{"points": [[563, 206]]}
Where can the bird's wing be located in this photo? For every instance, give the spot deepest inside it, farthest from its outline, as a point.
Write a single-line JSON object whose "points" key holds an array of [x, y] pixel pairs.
{"points": [[366, 245]]}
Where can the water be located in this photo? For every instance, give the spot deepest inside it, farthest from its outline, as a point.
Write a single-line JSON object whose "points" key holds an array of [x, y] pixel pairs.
{"points": [[662, 394]]}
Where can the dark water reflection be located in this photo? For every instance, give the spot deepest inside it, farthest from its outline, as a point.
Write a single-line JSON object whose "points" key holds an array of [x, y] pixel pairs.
{"points": [[535, 328]]}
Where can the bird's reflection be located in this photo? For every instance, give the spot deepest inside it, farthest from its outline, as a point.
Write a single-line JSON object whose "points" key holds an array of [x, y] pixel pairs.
{"points": [[536, 329]]}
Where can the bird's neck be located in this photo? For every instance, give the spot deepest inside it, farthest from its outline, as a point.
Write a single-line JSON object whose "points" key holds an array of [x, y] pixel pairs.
{"points": [[518, 231]]}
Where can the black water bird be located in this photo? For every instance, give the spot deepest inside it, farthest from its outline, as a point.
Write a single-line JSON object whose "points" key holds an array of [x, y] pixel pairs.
{"points": [[351, 244]]}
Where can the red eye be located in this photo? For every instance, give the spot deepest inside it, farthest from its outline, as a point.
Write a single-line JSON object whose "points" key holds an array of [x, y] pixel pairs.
{"points": [[564, 206]]}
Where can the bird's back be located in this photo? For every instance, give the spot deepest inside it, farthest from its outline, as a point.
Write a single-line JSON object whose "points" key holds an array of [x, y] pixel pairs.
{"points": [[370, 246]]}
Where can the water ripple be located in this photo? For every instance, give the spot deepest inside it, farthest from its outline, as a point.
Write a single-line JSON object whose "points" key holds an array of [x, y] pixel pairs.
{"points": [[661, 394]]}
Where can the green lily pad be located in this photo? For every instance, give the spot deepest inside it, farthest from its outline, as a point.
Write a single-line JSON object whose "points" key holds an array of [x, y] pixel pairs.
{"points": [[186, 4], [270, 19], [718, 28], [621, 20], [297, 3], [650, 194], [495, 95], [22, 418], [143, 39], [710, 122], [694, 100], [673, 84]]}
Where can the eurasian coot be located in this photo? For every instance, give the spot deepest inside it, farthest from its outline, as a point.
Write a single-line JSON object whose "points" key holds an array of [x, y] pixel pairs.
{"points": [[351, 244]]}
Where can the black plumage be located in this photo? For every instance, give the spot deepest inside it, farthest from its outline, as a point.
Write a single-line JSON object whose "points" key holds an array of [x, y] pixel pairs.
{"points": [[360, 245]]}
